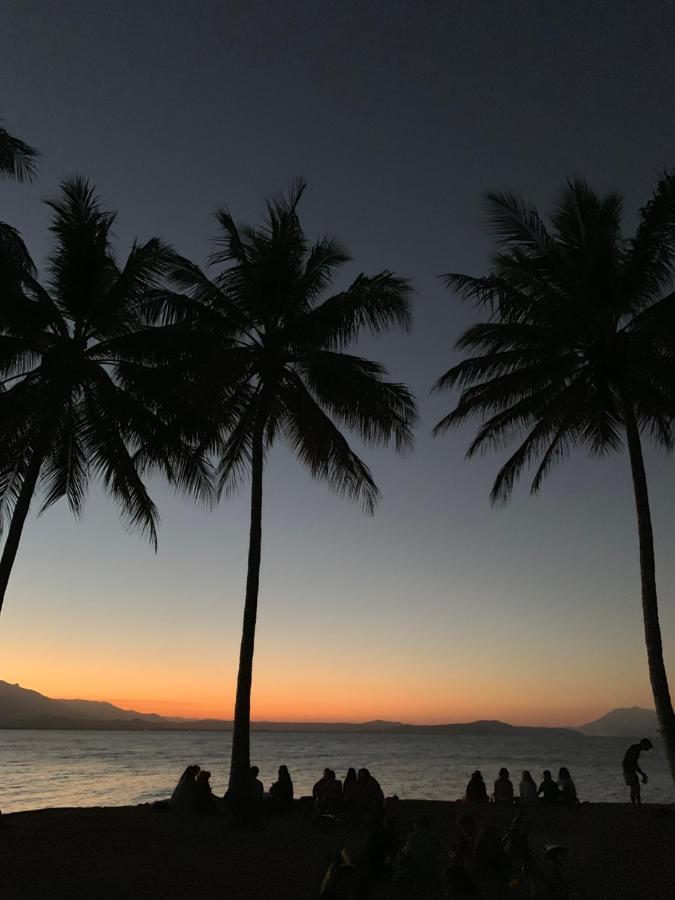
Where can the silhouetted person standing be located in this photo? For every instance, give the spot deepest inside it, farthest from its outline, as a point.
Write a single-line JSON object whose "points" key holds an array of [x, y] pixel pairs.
{"points": [[503, 788], [631, 769]]}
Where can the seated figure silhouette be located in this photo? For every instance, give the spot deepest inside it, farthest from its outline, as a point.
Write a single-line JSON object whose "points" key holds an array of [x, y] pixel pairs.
{"points": [[349, 788], [380, 848], [548, 790], [255, 785], [204, 800], [418, 859], [327, 792], [503, 792], [476, 792], [281, 792], [185, 792], [459, 880], [631, 769], [490, 859], [567, 788], [528, 790], [368, 795]]}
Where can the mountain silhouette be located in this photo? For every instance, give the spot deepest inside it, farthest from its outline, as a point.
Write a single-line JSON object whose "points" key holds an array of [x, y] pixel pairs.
{"points": [[21, 708], [633, 721]]}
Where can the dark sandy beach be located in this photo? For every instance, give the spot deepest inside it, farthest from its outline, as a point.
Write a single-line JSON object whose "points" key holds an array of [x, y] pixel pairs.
{"points": [[616, 852]]}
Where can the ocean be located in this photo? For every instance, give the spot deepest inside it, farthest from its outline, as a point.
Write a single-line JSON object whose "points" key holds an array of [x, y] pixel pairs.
{"points": [[111, 768]]}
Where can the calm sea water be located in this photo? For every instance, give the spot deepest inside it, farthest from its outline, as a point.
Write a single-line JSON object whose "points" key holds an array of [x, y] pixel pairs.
{"points": [[87, 768]]}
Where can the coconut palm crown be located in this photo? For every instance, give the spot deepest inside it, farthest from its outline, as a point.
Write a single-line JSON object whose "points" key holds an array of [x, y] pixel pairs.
{"points": [[65, 414], [578, 350], [279, 357]]}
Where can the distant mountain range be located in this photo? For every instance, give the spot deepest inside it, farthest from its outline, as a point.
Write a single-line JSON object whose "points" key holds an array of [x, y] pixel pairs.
{"points": [[23, 708], [634, 721]]}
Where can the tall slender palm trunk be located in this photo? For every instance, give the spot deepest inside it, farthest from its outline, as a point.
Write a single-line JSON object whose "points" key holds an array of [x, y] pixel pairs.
{"points": [[239, 789], [19, 515], [650, 609]]}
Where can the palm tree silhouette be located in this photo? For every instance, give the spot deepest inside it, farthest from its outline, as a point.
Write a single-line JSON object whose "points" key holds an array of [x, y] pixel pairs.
{"points": [[17, 159], [578, 351], [77, 363], [284, 371]]}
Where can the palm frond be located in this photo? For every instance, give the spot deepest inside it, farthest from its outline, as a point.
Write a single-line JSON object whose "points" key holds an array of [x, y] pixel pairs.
{"points": [[18, 160], [322, 449], [353, 390]]}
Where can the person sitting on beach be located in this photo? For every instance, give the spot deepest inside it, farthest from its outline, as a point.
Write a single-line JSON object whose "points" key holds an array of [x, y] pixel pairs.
{"points": [[457, 879], [476, 792], [203, 800], [256, 785], [631, 769], [568, 791], [368, 796], [183, 797], [548, 790], [381, 847], [490, 860], [349, 788], [281, 792], [503, 792], [418, 859], [528, 790], [465, 849], [327, 792]]}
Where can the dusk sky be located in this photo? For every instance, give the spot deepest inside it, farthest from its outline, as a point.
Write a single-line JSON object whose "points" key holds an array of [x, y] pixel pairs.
{"points": [[400, 114]]}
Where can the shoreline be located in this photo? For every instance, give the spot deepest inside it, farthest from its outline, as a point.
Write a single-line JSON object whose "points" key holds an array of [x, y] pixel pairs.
{"points": [[615, 851]]}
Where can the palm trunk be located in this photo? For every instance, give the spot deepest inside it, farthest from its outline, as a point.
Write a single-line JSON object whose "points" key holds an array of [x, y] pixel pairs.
{"points": [[9, 551], [238, 789], [650, 610]]}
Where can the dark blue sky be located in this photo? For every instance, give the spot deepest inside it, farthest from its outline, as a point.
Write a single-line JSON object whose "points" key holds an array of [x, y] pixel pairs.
{"points": [[400, 115]]}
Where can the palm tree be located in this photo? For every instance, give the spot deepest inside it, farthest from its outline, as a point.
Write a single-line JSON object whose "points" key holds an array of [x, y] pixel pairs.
{"points": [[579, 350], [76, 360], [17, 159], [283, 372]]}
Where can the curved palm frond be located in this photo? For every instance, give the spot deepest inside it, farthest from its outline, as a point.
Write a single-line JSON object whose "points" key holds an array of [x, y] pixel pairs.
{"points": [[18, 160]]}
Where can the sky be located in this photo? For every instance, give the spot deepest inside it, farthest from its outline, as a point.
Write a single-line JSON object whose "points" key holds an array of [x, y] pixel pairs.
{"points": [[400, 115]]}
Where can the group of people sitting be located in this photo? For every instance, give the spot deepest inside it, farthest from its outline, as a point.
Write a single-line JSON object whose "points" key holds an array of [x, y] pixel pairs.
{"points": [[359, 791], [480, 862], [193, 792], [549, 793]]}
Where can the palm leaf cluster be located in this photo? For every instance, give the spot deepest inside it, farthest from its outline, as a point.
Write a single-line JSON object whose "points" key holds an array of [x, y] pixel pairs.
{"points": [[581, 328], [277, 357], [73, 356]]}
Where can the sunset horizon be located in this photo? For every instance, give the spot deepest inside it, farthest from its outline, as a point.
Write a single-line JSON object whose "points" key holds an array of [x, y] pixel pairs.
{"points": [[278, 712], [337, 388]]}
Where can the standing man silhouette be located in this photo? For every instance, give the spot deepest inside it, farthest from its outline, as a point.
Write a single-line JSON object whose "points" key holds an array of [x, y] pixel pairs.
{"points": [[631, 769]]}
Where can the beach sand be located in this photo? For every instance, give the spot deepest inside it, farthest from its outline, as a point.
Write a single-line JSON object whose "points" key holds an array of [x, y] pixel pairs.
{"points": [[616, 852]]}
